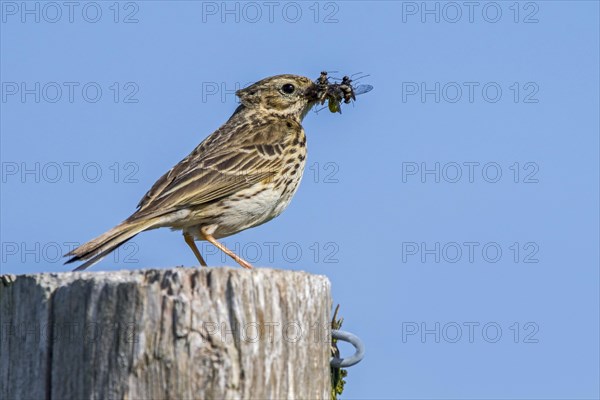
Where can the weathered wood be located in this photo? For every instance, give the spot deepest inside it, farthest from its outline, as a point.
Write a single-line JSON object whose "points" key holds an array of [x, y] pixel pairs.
{"points": [[165, 334]]}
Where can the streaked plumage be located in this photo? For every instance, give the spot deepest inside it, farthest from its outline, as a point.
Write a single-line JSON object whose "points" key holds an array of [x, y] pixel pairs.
{"points": [[241, 176]]}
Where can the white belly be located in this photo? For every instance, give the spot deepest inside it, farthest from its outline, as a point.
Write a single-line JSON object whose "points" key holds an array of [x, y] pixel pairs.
{"points": [[249, 209], [245, 209], [248, 212]]}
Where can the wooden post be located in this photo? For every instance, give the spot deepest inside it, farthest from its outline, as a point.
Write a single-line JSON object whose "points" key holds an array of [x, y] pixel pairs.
{"points": [[182, 333]]}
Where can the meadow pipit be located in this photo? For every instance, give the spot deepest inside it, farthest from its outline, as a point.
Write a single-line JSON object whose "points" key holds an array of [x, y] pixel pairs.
{"points": [[241, 176]]}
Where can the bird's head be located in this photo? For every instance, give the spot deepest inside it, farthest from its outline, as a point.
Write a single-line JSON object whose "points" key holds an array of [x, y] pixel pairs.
{"points": [[287, 95]]}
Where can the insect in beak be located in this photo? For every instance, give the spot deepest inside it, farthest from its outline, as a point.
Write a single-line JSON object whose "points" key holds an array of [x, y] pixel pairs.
{"points": [[334, 93]]}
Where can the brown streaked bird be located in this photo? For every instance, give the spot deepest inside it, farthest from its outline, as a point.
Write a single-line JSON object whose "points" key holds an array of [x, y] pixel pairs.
{"points": [[241, 176]]}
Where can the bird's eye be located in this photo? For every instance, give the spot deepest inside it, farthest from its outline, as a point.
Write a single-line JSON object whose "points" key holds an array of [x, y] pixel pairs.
{"points": [[288, 88]]}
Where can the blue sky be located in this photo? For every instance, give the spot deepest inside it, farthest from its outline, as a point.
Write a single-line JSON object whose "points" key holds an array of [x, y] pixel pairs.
{"points": [[454, 208]]}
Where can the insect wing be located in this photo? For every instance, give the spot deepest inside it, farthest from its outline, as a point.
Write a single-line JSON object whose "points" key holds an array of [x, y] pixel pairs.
{"points": [[362, 89]]}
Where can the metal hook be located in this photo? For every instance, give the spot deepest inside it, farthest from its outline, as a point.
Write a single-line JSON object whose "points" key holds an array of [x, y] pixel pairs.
{"points": [[354, 341]]}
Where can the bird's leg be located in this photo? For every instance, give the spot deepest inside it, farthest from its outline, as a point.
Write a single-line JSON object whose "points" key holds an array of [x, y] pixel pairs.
{"points": [[225, 250], [189, 239]]}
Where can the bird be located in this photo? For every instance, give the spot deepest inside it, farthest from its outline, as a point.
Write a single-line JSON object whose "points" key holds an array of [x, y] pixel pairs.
{"points": [[242, 175]]}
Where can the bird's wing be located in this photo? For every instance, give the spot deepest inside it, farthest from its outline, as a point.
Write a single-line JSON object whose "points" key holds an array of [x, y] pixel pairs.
{"points": [[223, 164]]}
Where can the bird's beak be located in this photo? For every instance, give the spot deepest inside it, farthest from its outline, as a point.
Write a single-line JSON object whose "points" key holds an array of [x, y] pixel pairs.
{"points": [[313, 93]]}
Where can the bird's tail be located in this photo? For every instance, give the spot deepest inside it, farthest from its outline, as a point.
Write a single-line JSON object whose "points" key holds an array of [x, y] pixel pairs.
{"points": [[98, 248]]}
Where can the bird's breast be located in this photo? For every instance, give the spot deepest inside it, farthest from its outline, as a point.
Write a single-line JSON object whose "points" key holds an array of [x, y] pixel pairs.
{"points": [[261, 202]]}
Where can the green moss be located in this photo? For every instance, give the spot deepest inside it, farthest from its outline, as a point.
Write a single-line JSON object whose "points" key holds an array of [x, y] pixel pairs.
{"points": [[337, 374]]}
